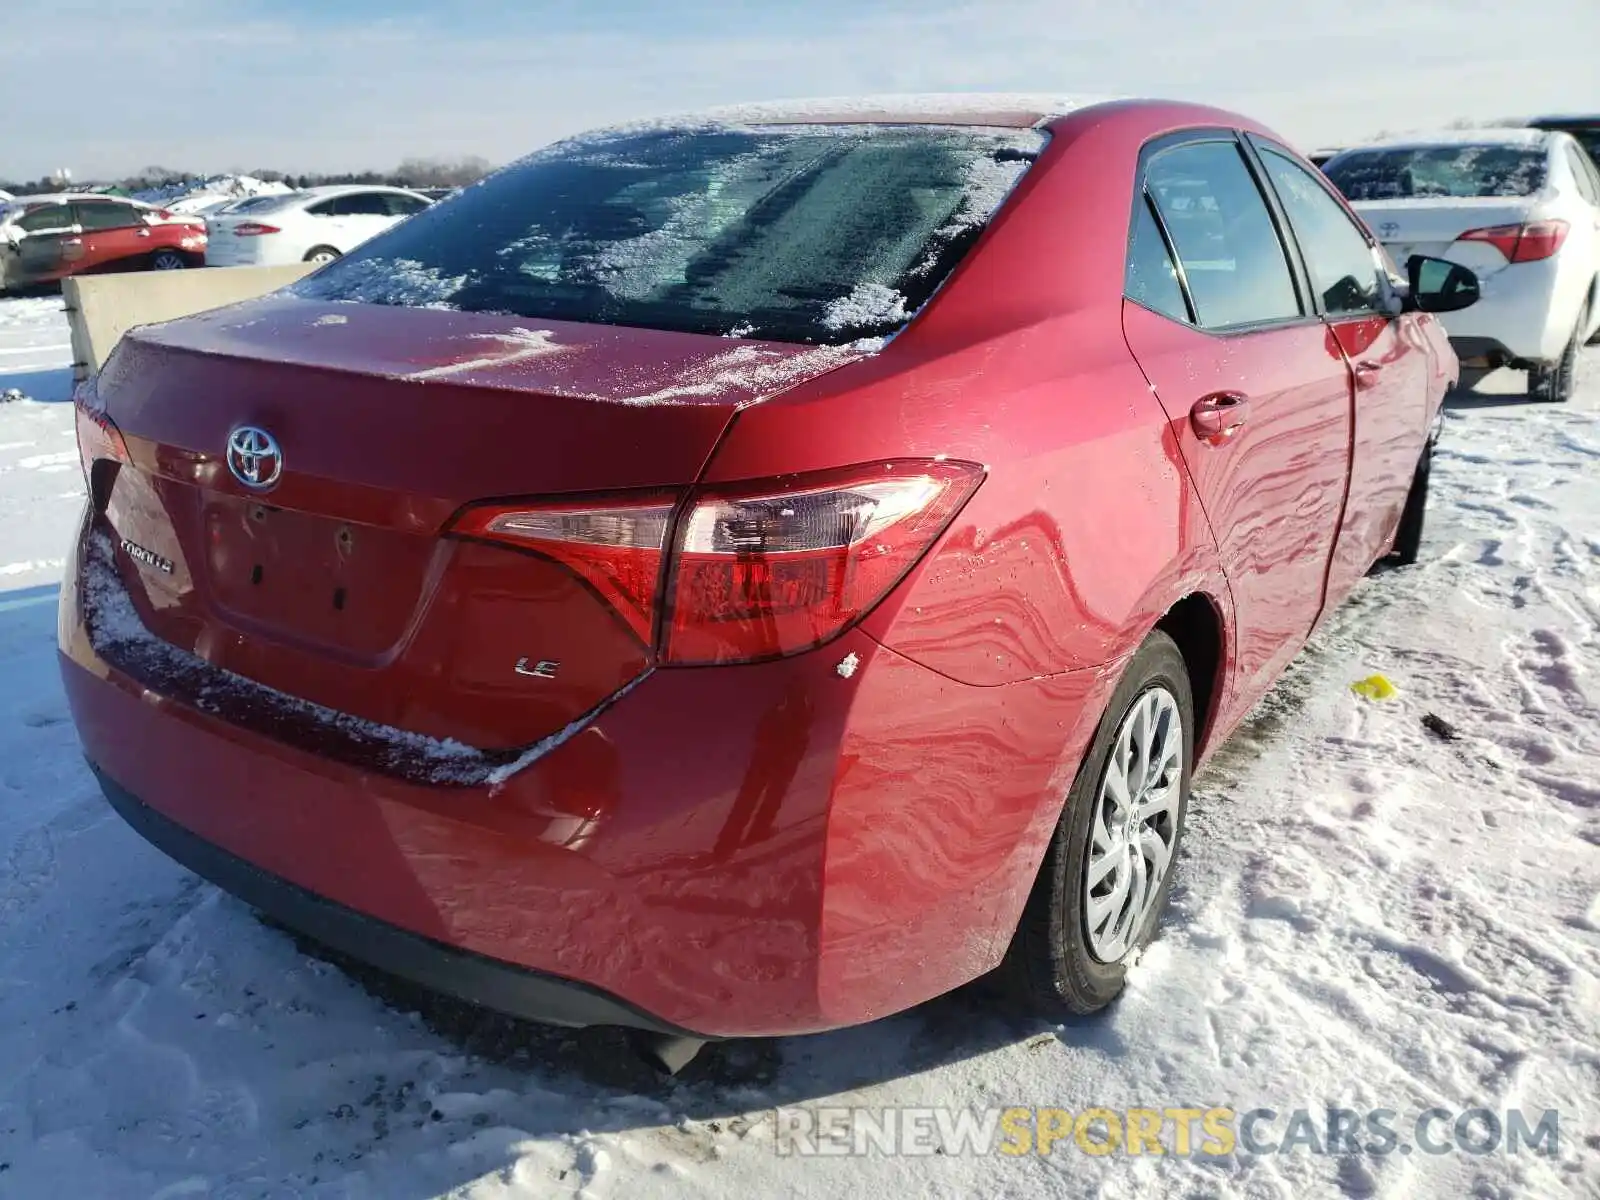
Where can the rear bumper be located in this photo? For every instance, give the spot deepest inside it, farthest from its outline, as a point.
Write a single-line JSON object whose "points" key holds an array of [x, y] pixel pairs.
{"points": [[518, 991], [225, 250], [757, 850], [1515, 318]]}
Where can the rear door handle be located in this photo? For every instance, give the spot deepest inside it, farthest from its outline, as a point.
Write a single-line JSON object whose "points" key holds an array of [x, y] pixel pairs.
{"points": [[1367, 373], [1217, 417]]}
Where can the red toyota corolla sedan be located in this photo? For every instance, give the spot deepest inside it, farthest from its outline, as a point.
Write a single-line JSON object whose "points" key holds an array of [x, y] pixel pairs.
{"points": [[751, 575]]}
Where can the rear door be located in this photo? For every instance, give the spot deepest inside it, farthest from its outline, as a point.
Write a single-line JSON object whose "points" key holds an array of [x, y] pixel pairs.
{"points": [[1254, 385], [112, 233], [362, 215], [1389, 355], [50, 245], [328, 226]]}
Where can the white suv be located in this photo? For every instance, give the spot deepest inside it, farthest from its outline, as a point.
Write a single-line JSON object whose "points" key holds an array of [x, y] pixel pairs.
{"points": [[316, 225], [1521, 208]]}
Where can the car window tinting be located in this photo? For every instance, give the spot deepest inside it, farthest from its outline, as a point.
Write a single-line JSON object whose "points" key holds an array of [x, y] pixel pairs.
{"points": [[794, 233], [1152, 279], [51, 217], [94, 216], [1460, 171], [1344, 271], [1232, 257]]}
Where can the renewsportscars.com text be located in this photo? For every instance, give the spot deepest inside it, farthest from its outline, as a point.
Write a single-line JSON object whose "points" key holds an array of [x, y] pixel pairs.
{"points": [[1179, 1131]]}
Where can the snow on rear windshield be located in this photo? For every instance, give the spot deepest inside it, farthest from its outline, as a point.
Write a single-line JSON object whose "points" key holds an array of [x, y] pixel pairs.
{"points": [[1420, 172], [791, 233]]}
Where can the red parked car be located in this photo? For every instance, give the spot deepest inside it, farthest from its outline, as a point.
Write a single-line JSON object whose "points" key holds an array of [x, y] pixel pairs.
{"points": [[751, 576], [46, 238]]}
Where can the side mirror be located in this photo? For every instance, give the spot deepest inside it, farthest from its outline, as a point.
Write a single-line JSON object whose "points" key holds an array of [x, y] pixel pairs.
{"points": [[1439, 285]]}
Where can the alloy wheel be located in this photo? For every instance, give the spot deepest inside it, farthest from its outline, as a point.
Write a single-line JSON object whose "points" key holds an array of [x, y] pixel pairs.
{"points": [[1134, 825]]}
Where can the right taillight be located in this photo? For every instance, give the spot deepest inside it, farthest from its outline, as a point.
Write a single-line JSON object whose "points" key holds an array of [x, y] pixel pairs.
{"points": [[1522, 243], [753, 571], [762, 571], [254, 229]]}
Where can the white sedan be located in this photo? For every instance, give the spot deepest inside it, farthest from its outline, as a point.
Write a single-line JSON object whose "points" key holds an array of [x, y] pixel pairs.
{"points": [[1521, 208], [317, 225]]}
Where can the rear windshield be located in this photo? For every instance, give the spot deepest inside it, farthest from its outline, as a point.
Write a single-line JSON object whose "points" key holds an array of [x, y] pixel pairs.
{"points": [[1429, 171], [259, 203], [797, 233]]}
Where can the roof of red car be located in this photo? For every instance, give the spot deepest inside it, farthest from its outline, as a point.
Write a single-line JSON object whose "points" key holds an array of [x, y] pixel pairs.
{"points": [[1003, 109]]}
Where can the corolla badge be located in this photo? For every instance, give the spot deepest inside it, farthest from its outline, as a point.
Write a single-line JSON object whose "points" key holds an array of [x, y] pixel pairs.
{"points": [[254, 457]]}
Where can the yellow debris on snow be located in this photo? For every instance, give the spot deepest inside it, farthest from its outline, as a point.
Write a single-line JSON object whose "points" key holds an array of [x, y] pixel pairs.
{"points": [[1374, 687]]}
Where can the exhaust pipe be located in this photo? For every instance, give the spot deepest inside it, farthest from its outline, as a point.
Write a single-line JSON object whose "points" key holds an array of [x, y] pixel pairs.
{"points": [[666, 1052]]}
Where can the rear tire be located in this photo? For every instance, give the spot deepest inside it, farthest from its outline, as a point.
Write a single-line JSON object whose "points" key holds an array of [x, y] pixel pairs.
{"points": [[1554, 383], [321, 255], [1067, 957], [167, 260], [1408, 537]]}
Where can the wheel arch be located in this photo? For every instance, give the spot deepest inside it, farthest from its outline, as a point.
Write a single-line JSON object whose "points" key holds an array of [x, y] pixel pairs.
{"points": [[1195, 622]]}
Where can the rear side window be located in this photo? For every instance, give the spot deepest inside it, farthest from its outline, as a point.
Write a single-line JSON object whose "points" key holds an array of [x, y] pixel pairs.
{"points": [[1152, 279], [1343, 269], [1581, 174], [46, 218], [794, 233], [1232, 257], [1461, 171]]}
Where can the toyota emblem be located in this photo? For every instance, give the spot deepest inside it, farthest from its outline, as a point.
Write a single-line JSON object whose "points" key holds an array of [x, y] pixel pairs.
{"points": [[1389, 228], [254, 457]]}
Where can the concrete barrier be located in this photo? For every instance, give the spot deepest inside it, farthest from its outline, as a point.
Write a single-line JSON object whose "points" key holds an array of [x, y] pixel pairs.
{"points": [[101, 308]]}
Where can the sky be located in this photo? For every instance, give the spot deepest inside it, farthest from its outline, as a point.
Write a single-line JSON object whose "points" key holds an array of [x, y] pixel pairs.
{"points": [[107, 87]]}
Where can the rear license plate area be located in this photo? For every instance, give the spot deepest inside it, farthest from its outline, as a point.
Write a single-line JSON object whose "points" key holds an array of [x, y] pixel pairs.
{"points": [[311, 577]]}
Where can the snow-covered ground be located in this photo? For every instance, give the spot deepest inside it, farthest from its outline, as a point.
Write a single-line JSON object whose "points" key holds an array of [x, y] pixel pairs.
{"points": [[1369, 916]]}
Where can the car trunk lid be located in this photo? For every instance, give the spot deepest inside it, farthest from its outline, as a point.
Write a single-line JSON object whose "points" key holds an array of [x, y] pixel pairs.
{"points": [[1433, 227], [339, 585]]}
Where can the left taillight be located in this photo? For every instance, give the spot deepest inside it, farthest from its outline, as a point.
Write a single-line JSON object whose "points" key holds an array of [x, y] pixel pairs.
{"points": [[615, 547], [101, 448], [749, 572]]}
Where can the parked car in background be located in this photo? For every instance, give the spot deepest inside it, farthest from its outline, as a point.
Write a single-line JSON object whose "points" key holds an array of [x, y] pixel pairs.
{"points": [[1319, 158], [664, 587], [47, 238], [316, 225], [1521, 207], [5, 195]]}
